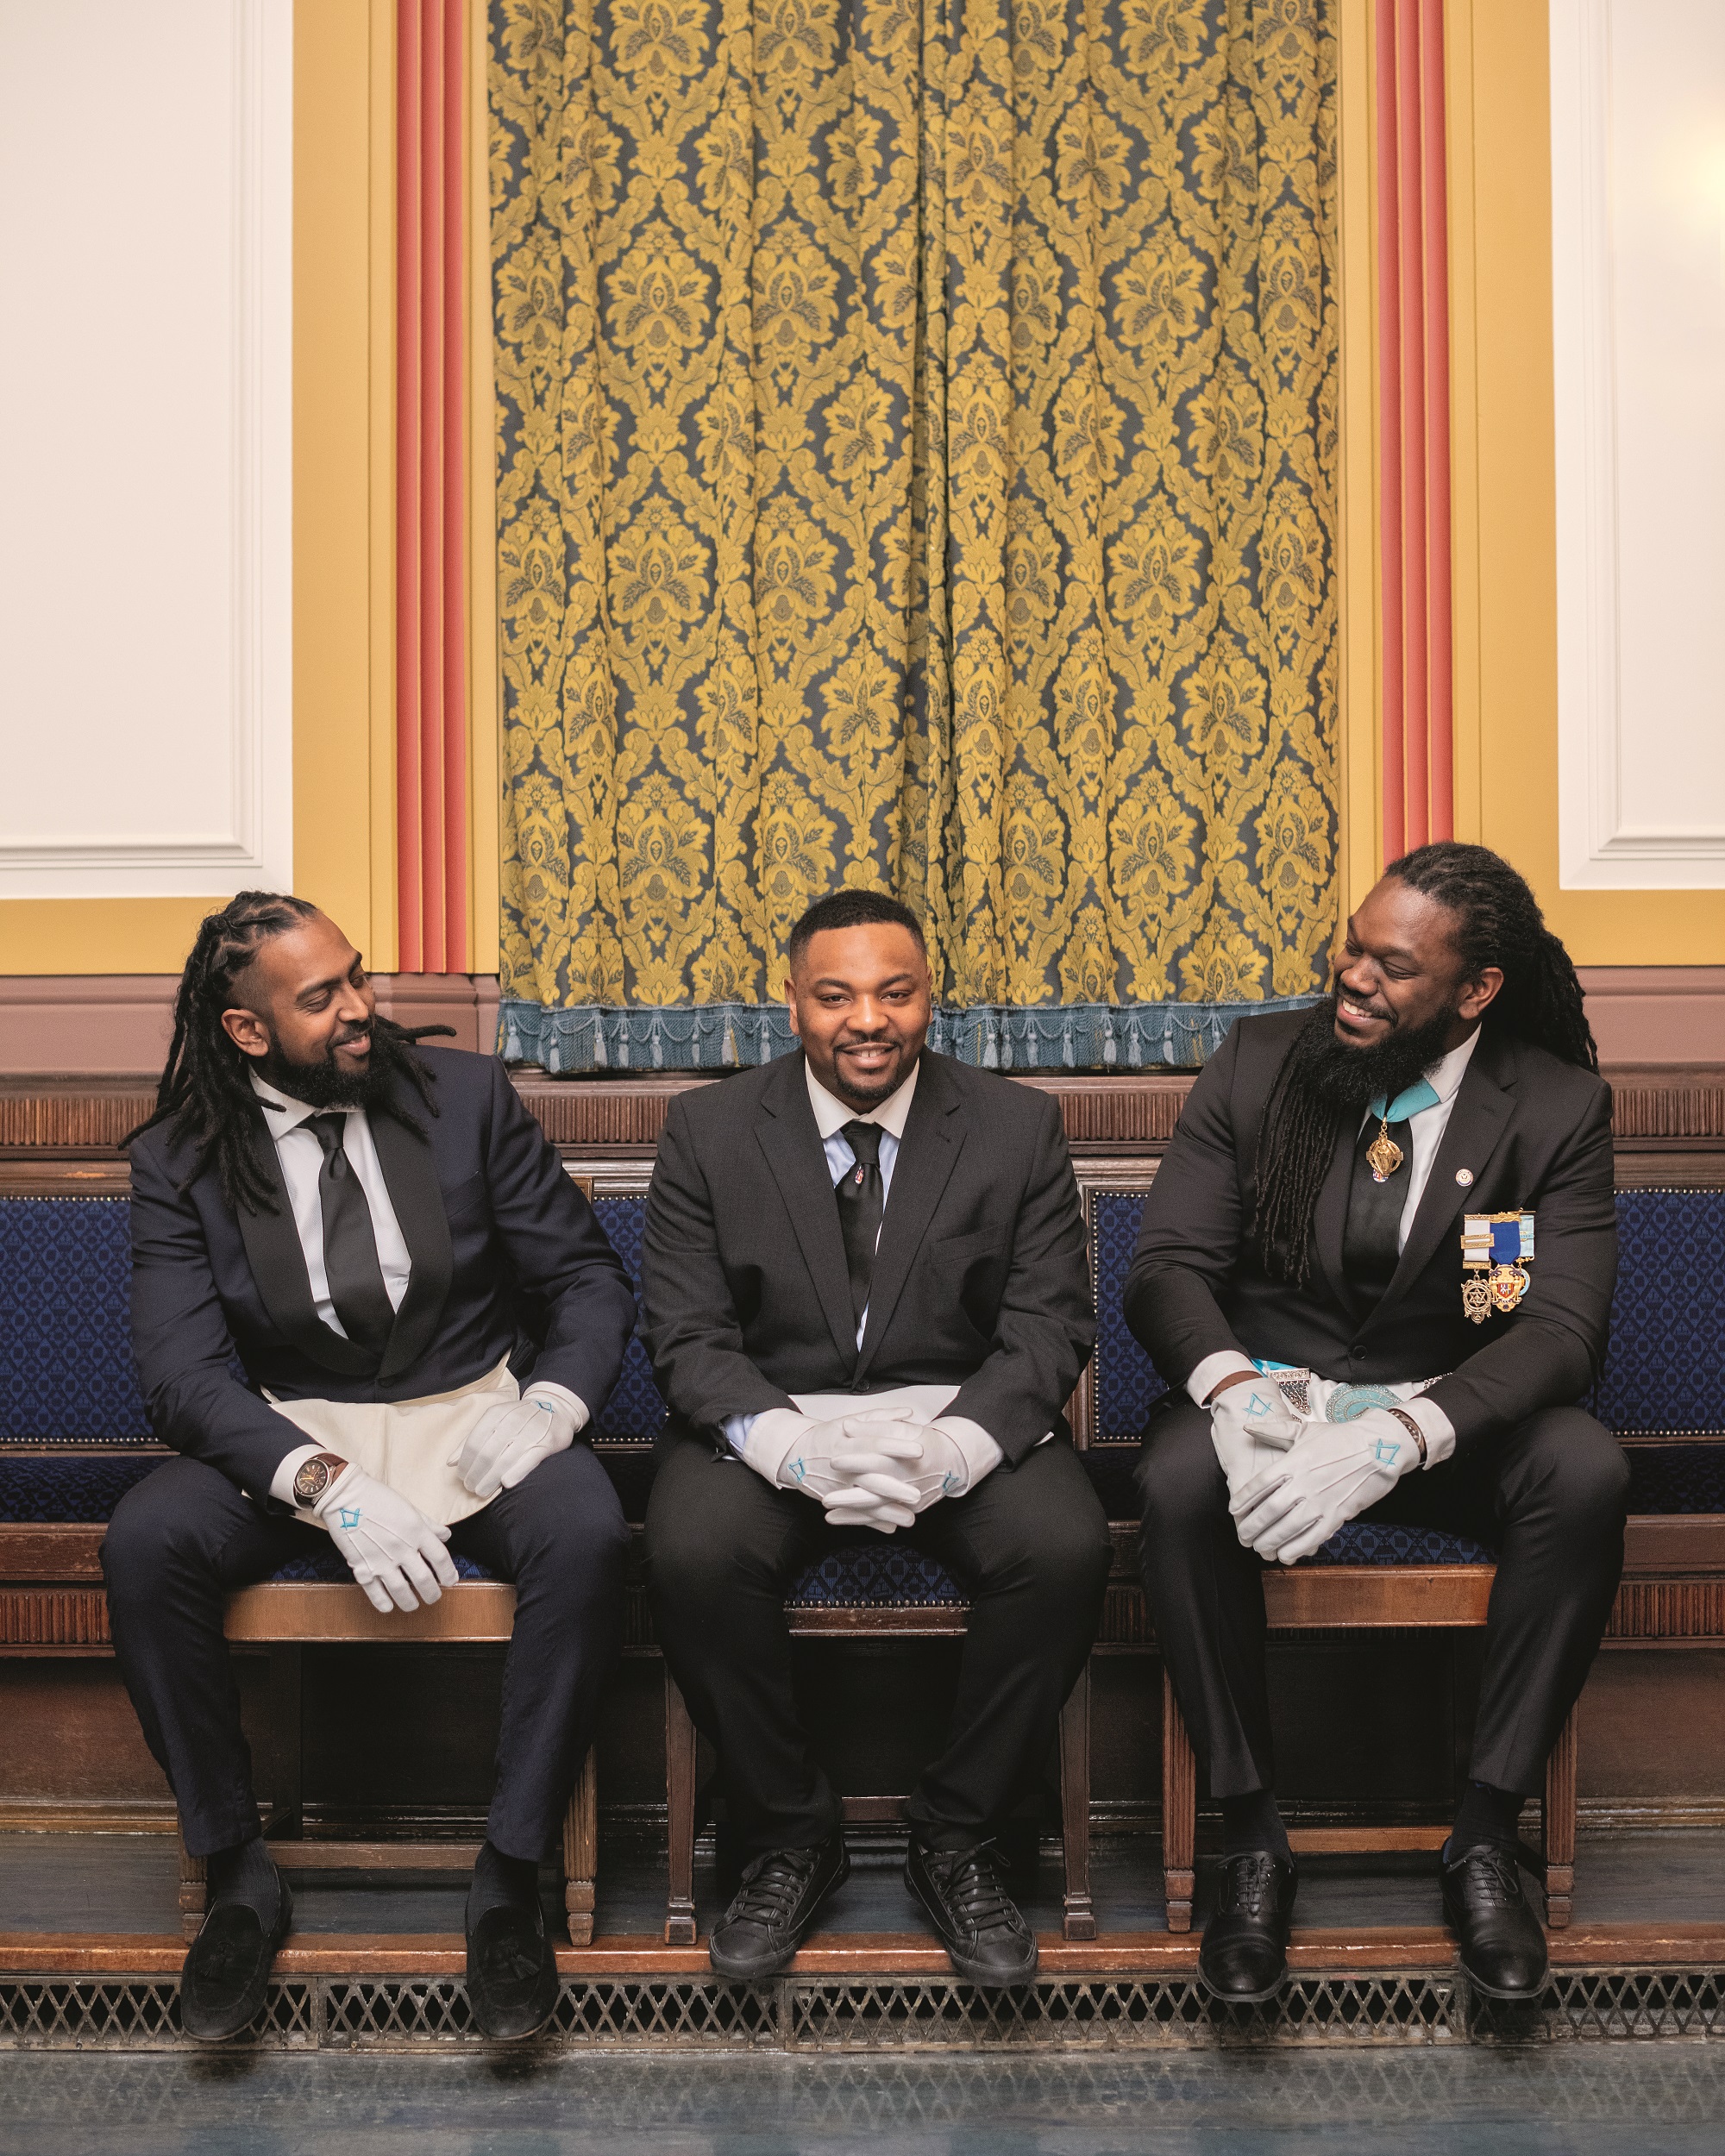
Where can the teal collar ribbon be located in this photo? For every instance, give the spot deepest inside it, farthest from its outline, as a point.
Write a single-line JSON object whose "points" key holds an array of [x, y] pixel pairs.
{"points": [[1412, 1102]]}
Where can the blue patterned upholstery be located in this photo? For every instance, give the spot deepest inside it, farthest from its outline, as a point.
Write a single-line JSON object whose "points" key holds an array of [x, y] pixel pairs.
{"points": [[1127, 1387], [874, 1573], [77, 1490], [1666, 1367], [323, 1567], [65, 1333], [635, 1414], [1677, 1478], [1364, 1542]]}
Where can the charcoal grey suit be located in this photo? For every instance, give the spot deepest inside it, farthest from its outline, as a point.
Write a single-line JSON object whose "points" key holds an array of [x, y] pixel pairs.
{"points": [[979, 1282]]}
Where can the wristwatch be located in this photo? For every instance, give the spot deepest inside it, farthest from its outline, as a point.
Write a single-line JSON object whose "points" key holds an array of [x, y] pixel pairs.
{"points": [[1413, 1429], [314, 1476]]}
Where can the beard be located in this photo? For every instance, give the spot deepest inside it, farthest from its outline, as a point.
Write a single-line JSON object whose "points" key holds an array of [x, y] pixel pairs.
{"points": [[323, 1084], [1347, 1077]]}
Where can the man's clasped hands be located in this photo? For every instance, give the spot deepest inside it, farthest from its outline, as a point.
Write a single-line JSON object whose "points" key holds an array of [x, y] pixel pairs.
{"points": [[1293, 1482], [866, 1469]]}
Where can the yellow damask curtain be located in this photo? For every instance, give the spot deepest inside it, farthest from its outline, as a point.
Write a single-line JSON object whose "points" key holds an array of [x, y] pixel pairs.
{"points": [[917, 448]]}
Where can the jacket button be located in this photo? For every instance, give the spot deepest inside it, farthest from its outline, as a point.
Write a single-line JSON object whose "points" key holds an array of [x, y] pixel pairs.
{"points": [[1357, 1350]]}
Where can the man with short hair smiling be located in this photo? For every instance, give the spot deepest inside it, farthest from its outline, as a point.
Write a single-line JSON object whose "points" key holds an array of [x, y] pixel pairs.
{"points": [[383, 1238], [867, 1303], [1375, 1269]]}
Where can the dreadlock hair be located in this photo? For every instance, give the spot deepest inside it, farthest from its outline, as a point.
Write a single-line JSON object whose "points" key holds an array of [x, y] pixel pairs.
{"points": [[204, 1084], [1497, 922]]}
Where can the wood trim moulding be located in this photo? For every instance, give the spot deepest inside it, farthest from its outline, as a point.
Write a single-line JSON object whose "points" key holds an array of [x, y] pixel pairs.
{"points": [[1413, 424], [432, 758], [1670, 1120]]}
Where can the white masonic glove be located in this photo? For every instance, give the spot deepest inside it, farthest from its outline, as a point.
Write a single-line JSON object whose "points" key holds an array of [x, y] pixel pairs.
{"points": [[1251, 1426], [508, 1441], [928, 1456], [390, 1546], [1333, 1473], [849, 1465]]}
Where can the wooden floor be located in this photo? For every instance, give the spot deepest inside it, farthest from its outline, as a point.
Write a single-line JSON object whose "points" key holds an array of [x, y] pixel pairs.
{"points": [[101, 1904]]}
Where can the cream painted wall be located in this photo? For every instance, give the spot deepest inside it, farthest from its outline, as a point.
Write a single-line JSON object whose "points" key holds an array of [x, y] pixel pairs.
{"points": [[1637, 232], [146, 238]]}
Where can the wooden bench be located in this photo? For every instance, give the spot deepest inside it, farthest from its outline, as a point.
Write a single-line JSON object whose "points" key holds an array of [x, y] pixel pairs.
{"points": [[288, 1615]]}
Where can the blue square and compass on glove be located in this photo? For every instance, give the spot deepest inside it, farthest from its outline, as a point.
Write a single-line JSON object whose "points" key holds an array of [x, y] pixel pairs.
{"points": [[1503, 1242]]}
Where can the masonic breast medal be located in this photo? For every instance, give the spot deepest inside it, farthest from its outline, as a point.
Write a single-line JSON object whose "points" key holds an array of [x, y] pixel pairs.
{"points": [[1384, 1155], [1496, 1249]]}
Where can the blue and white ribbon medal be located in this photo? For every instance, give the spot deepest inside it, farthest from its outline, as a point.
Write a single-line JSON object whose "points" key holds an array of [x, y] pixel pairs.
{"points": [[1503, 1242]]}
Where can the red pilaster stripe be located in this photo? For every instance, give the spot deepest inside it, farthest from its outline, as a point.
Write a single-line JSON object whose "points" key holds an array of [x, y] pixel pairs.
{"points": [[431, 699], [1414, 391]]}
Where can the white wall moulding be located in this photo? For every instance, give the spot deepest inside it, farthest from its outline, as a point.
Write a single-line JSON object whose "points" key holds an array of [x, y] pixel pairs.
{"points": [[1638, 222], [146, 255]]}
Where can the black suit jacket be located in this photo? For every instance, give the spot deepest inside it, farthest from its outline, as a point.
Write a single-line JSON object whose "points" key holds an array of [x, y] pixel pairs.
{"points": [[1535, 1134], [979, 1279], [507, 1259]]}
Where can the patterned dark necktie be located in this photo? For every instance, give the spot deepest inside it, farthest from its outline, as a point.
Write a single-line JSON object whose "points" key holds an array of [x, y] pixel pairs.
{"points": [[861, 1204], [350, 1256], [1370, 1255]]}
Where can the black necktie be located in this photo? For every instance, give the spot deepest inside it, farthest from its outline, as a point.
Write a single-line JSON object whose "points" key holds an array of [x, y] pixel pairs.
{"points": [[350, 1258], [861, 1203], [1370, 1255]]}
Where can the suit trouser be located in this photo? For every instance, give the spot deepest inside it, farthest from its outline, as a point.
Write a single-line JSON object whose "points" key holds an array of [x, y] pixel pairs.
{"points": [[1549, 1495], [1029, 1548], [186, 1537]]}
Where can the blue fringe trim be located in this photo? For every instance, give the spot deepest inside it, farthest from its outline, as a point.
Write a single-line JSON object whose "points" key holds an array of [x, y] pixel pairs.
{"points": [[726, 1036]]}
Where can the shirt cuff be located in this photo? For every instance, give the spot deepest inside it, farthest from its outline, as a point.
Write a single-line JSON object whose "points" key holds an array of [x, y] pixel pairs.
{"points": [[1435, 1426], [982, 1455], [281, 1482], [1213, 1368], [577, 1405], [768, 1441], [737, 1429]]}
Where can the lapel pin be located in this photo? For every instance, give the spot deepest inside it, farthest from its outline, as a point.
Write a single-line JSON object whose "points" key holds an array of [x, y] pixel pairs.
{"points": [[1464, 1177]]}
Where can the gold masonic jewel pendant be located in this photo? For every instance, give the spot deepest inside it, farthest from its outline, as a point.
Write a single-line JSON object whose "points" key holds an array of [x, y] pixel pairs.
{"points": [[1500, 1247], [1384, 1155]]}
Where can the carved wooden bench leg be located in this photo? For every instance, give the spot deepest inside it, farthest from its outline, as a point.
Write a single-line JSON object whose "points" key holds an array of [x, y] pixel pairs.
{"points": [[1179, 1810], [1079, 1917], [580, 1852], [680, 1810], [1560, 1825], [193, 1893]]}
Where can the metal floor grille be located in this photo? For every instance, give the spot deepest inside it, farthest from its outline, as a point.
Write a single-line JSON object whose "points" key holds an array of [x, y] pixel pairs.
{"points": [[1093, 2013]]}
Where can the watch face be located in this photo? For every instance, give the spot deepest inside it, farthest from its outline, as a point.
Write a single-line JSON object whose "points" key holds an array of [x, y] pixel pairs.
{"points": [[312, 1480]]}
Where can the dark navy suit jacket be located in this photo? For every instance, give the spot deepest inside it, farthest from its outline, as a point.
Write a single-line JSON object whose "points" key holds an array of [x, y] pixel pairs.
{"points": [[508, 1258]]}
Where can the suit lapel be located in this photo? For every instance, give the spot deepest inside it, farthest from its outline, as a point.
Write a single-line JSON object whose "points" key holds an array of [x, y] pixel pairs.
{"points": [[786, 1131], [278, 1265], [410, 1174], [928, 1153], [1476, 1125]]}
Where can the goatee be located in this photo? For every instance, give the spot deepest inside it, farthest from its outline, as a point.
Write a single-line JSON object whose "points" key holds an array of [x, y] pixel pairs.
{"points": [[324, 1084], [1348, 1077]]}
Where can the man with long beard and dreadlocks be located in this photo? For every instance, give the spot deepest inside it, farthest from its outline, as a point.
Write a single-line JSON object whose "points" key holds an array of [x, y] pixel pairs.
{"points": [[1375, 1271], [426, 1312]]}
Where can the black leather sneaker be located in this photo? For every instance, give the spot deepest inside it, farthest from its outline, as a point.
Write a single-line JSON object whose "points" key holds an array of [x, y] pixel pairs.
{"points": [[512, 1971], [987, 1940], [774, 1909], [1502, 1941], [1244, 1957], [225, 1977]]}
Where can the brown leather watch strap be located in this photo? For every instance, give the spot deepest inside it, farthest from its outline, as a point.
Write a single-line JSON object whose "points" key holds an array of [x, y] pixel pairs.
{"points": [[1413, 1429]]}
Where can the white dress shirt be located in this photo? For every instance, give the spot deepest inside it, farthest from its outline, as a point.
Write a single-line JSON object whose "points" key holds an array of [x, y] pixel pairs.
{"points": [[1425, 1134], [830, 1115]]}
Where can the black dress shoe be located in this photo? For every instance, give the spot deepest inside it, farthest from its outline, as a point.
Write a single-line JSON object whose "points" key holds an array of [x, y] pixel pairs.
{"points": [[512, 1971], [225, 1978], [987, 1940], [1502, 1941], [1244, 1958], [774, 1909]]}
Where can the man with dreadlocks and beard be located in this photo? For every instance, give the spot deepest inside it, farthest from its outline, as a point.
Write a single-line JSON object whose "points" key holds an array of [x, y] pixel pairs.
{"points": [[382, 1238], [1375, 1269]]}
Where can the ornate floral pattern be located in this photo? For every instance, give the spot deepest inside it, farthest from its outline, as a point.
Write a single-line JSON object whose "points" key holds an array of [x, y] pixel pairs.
{"points": [[916, 469]]}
